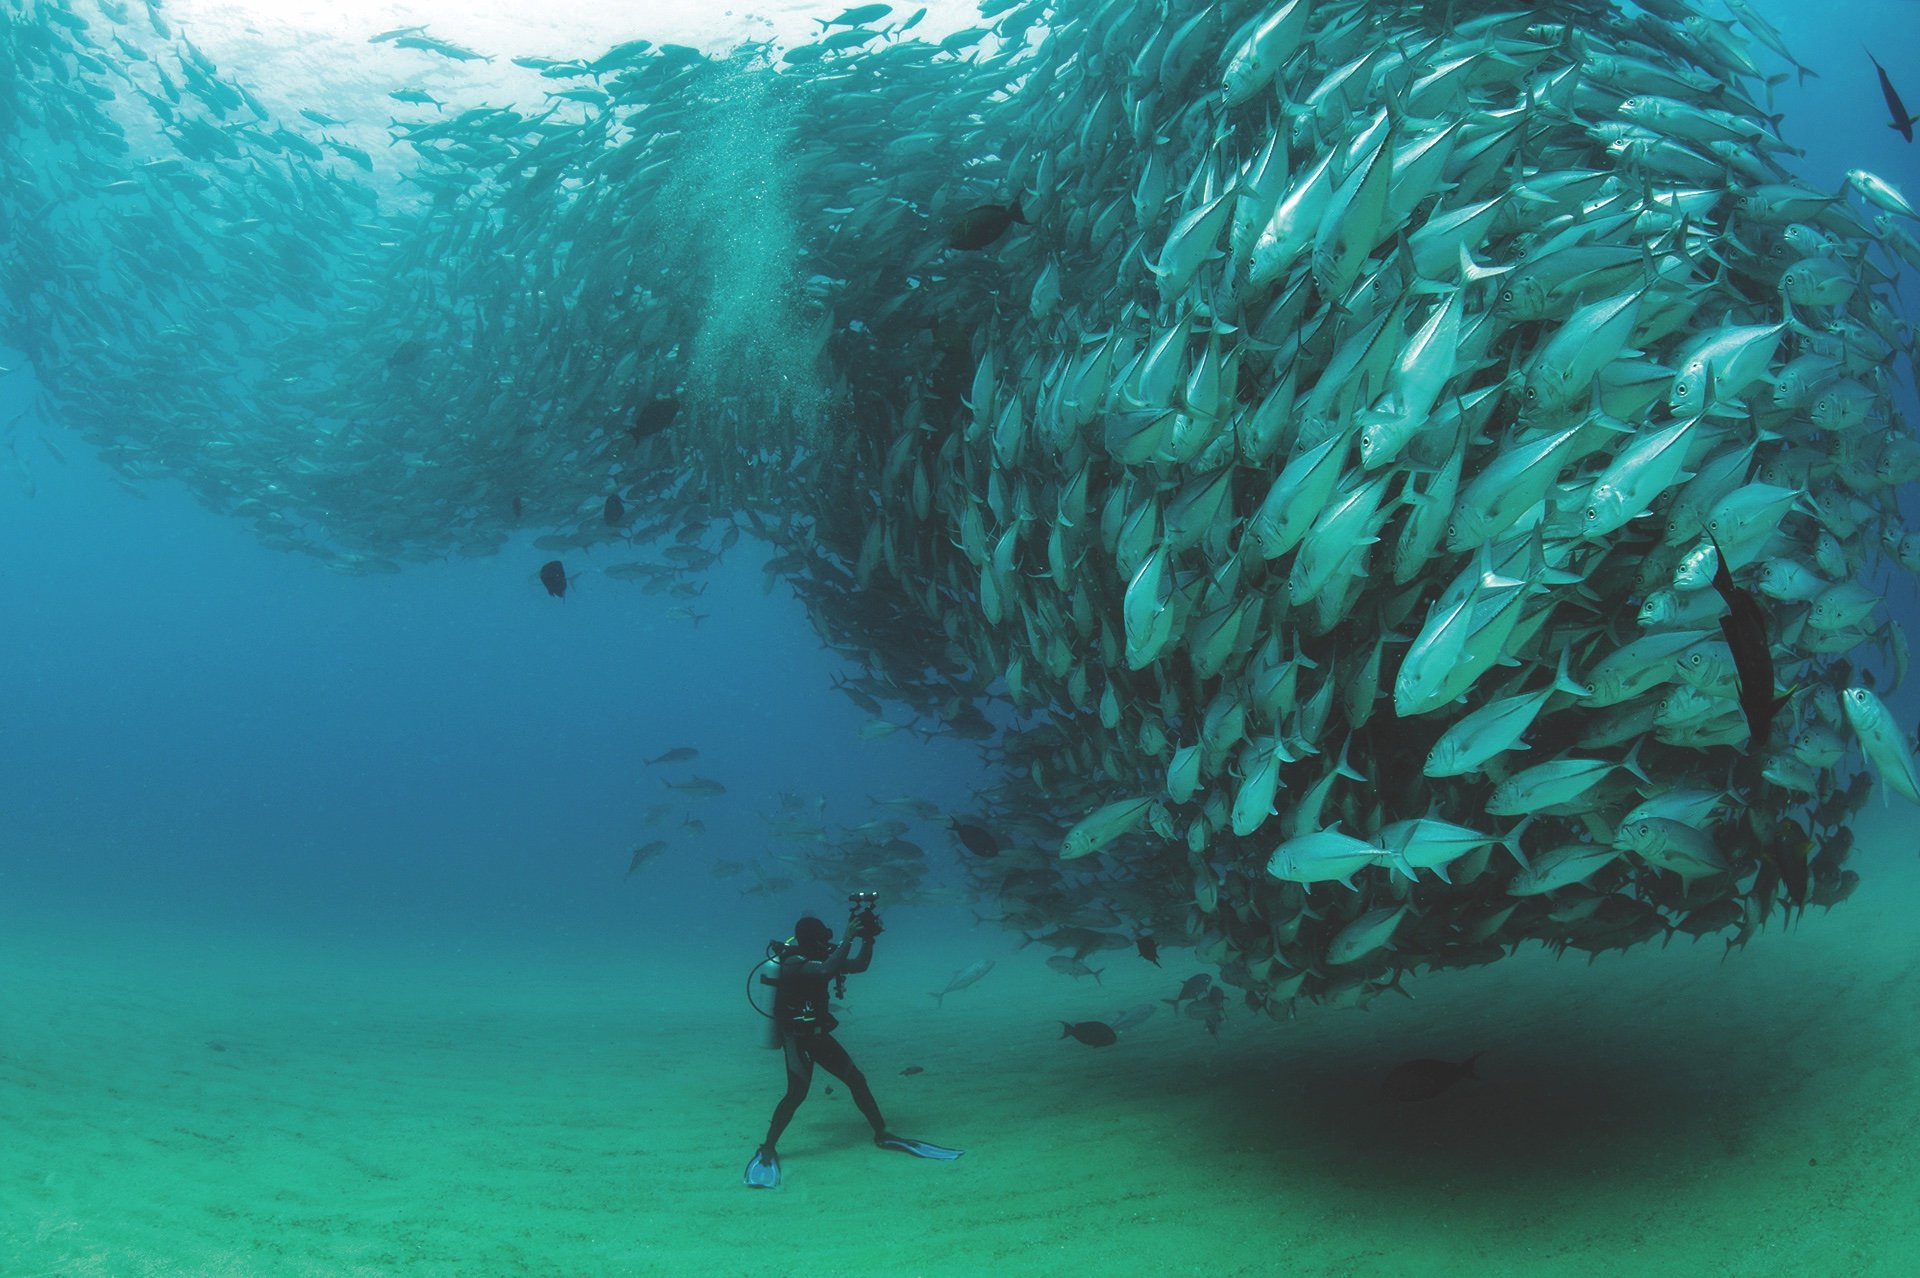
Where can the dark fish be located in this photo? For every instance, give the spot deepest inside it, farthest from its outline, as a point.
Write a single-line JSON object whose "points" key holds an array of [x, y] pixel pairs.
{"points": [[977, 228], [1192, 987], [1902, 123], [1828, 893], [516, 508], [978, 841], [911, 1070], [653, 417], [406, 354], [645, 853], [679, 754], [1092, 1033], [1426, 1079], [1708, 919], [1149, 949], [615, 511], [1790, 857], [1745, 627], [553, 575]]}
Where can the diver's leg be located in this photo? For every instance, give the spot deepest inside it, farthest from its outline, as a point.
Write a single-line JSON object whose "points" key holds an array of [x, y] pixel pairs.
{"points": [[799, 1079], [834, 1059]]}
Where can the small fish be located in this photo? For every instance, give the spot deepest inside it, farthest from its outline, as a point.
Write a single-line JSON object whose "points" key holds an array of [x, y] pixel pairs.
{"points": [[395, 34], [727, 869], [978, 841], [553, 575], [653, 417], [615, 511], [1092, 1033], [911, 1070], [700, 787], [979, 227], [445, 48], [406, 354], [963, 978], [1902, 123], [645, 853], [857, 16], [1193, 987], [1072, 967], [1425, 1079], [1149, 949], [679, 754], [1745, 627], [1132, 1017]]}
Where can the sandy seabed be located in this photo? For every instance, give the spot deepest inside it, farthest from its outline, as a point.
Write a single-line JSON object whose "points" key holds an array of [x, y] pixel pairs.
{"points": [[178, 1103]]}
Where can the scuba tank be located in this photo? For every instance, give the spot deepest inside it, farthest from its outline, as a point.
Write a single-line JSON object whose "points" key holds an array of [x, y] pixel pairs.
{"points": [[767, 972]]}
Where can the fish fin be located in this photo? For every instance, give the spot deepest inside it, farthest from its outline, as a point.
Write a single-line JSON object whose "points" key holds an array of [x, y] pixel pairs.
{"points": [[1564, 681], [1511, 839], [1632, 762], [1472, 272]]}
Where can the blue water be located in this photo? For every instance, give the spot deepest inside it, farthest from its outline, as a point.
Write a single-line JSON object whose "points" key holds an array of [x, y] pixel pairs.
{"points": [[203, 730]]}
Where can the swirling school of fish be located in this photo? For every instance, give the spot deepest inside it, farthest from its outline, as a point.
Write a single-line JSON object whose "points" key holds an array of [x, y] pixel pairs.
{"points": [[1314, 445]]}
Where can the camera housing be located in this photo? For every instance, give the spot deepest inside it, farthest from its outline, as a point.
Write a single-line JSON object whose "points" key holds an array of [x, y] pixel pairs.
{"points": [[862, 920]]}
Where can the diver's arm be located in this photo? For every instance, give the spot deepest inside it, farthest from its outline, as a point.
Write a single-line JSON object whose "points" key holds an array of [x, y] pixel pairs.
{"points": [[859, 962], [835, 963]]}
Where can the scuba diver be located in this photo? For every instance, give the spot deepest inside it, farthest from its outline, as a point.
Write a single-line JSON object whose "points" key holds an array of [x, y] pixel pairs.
{"points": [[799, 970]]}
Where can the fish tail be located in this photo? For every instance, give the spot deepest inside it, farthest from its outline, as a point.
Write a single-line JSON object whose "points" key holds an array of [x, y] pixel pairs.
{"points": [[937, 998], [1565, 682], [1015, 212]]}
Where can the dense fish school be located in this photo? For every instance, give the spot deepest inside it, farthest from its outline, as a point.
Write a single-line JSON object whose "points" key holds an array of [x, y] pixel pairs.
{"points": [[1313, 446]]}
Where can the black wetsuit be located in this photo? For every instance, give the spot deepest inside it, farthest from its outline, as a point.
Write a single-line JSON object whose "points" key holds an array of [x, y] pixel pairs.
{"points": [[806, 1027]]}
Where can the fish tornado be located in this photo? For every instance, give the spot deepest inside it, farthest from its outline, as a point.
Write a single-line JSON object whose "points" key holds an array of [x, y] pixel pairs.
{"points": [[1383, 483]]}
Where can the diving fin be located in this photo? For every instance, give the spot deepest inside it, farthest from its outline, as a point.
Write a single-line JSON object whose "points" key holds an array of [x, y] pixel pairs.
{"points": [[918, 1148], [764, 1171]]}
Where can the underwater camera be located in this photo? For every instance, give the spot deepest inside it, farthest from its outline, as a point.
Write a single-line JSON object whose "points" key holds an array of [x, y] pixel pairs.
{"points": [[862, 920]]}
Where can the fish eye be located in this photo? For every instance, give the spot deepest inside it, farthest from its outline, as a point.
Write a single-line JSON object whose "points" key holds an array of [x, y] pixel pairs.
{"points": [[1506, 295], [1593, 514], [1533, 392]]}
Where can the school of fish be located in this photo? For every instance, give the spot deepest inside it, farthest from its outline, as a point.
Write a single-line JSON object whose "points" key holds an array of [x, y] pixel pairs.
{"points": [[1384, 482]]}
